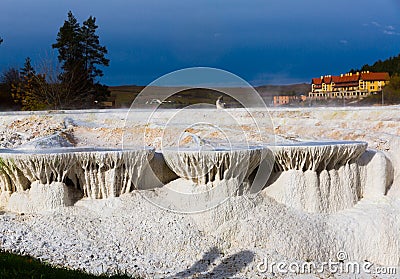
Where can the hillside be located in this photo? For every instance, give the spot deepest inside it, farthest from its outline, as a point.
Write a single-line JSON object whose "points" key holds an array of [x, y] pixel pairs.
{"points": [[390, 65], [124, 95]]}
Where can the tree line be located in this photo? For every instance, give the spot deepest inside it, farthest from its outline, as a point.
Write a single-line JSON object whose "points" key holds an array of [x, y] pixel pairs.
{"points": [[69, 83], [392, 66]]}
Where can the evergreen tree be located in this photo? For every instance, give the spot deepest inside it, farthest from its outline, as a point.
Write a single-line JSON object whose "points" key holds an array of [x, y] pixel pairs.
{"points": [[80, 53], [392, 90], [1, 40], [32, 98], [27, 70], [24, 92], [69, 43], [93, 52], [390, 65], [8, 79]]}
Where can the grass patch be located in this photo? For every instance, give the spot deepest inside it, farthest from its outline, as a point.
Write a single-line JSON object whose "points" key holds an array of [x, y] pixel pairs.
{"points": [[14, 266]]}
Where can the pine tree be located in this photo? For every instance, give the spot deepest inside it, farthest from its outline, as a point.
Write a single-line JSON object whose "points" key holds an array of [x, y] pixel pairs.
{"points": [[80, 53], [15, 84], [8, 80], [69, 43], [390, 65], [392, 90], [24, 92], [27, 70], [93, 52], [93, 55]]}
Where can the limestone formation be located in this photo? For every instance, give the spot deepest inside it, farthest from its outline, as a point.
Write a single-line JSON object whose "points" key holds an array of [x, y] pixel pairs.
{"points": [[316, 156], [327, 177], [97, 173], [203, 166], [42, 197], [320, 200]]}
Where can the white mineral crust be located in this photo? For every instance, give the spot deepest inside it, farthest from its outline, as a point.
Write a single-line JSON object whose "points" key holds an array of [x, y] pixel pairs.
{"points": [[83, 209]]}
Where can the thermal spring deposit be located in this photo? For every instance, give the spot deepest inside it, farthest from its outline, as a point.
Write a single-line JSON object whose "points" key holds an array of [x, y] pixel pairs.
{"points": [[161, 197]]}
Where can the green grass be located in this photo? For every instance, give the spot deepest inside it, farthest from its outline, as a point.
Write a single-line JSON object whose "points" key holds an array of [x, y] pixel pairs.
{"points": [[14, 266]]}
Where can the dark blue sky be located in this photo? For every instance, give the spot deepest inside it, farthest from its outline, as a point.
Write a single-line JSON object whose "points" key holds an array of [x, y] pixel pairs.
{"points": [[262, 41]]}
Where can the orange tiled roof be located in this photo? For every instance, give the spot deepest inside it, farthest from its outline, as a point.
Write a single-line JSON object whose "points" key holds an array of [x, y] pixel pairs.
{"points": [[346, 79], [354, 78], [327, 79], [374, 76], [317, 81], [336, 79]]}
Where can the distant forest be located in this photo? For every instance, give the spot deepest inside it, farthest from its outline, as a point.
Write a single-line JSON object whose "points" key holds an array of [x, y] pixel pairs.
{"points": [[392, 90], [390, 65]]}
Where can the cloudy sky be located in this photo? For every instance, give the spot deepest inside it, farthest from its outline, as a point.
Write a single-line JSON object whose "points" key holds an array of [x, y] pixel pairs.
{"points": [[262, 41]]}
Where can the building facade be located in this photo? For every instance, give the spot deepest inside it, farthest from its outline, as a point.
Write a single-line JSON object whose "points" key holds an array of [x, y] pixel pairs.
{"points": [[281, 100], [351, 85]]}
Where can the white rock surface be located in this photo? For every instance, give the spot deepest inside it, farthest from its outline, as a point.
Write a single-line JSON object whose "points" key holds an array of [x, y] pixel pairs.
{"points": [[97, 173], [57, 140], [42, 197], [377, 173], [323, 177], [324, 192], [130, 234], [316, 156], [185, 196], [336, 189], [157, 173], [203, 166]]}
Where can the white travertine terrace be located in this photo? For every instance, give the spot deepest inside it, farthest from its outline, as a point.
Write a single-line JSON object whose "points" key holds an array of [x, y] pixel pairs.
{"points": [[98, 173], [316, 156], [359, 202], [213, 165], [311, 176], [327, 177], [40, 197]]}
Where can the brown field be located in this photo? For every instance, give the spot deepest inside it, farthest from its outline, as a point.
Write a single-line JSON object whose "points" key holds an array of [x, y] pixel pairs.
{"points": [[124, 95]]}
